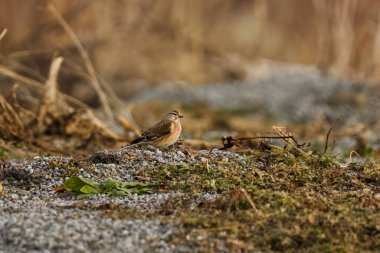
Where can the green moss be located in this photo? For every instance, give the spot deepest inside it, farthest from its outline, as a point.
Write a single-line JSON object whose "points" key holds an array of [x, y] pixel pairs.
{"points": [[202, 178], [295, 203], [289, 222], [2, 152]]}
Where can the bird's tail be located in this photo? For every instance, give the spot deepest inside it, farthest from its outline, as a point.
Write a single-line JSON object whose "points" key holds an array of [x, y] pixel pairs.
{"points": [[138, 140]]}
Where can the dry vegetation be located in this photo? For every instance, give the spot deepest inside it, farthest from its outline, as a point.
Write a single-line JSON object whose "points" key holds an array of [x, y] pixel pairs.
{"points": [[289, 203], [195, 41], [68, 68]]}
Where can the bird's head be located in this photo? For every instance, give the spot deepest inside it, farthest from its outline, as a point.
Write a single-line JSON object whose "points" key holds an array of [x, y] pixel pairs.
{"points": [[173, 115]]}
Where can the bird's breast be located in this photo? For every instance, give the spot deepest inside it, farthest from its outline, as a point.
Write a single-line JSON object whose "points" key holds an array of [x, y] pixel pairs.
{"points": [[177, 130], [171, 138]]}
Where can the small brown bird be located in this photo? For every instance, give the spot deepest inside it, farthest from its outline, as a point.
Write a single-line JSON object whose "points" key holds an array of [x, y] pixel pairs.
{"points": [[164, 133]]}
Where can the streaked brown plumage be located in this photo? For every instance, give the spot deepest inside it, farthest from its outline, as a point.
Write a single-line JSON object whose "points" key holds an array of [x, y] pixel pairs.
{"points": [[164, 133]]}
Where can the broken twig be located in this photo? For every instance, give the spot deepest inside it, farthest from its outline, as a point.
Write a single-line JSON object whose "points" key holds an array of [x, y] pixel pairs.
{"points": [[327, 140], [229, 141]]}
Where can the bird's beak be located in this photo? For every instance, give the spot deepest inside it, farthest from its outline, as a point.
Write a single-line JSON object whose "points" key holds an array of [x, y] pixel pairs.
{"points": [[179, 115]]}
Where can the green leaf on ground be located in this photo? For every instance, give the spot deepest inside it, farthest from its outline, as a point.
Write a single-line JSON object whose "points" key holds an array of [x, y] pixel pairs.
{"points": [[109, 184], [89, 189], [81, 185], [85, 187]]}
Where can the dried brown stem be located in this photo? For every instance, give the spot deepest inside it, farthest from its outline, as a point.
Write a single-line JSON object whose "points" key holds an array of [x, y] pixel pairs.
{"points": [[6, 72], [352, 153], [327, 139], [52, 106], [17, 151], [3, 33], [282, 132], [126, 124], [86, 59], [10, 113], [248, 198], [229, 141], [105, 93]]}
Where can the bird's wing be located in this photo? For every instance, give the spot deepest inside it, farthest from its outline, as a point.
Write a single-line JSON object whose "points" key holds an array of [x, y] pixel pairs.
{"points": [[159, 129]]}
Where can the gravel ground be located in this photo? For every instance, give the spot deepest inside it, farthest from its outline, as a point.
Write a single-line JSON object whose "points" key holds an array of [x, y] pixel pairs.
{"points": [[34, 218]]}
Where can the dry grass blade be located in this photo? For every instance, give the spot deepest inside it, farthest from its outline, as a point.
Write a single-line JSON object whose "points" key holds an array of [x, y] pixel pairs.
{"points": [[16, 104], [249, 200], [38, 85], [9, 115], [327, 140], [352, 153], [288, 138], [11, 125], [84, 123], [16, 151], [91, 71], [105, 97], [3, 33], [127, 125], [80, 123], [9, 73], [52, 106], [18, 65], [53, 76], [54, 116]]}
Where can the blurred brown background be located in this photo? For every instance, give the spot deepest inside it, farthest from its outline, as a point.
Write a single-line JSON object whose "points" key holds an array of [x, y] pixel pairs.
{"points": [[196, 41]]}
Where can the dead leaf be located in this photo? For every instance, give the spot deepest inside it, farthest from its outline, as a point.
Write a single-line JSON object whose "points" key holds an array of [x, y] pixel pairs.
{"points": [[60, 188]]}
